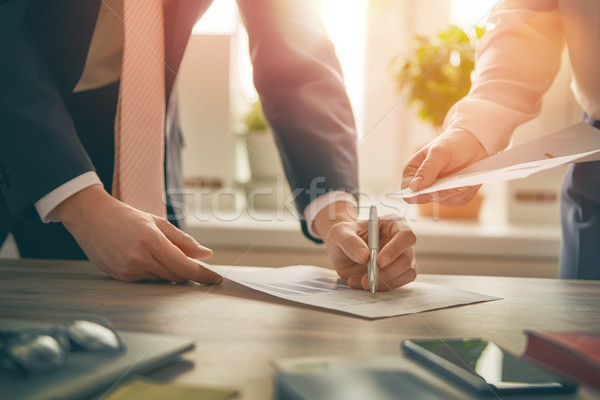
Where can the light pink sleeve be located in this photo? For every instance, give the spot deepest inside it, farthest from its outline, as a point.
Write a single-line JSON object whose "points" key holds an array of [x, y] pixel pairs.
{"points": [[516, 61]]}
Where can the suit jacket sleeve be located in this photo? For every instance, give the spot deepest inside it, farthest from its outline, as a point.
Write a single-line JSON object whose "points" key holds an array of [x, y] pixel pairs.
{"points": [[300, 84], [39, 146]]}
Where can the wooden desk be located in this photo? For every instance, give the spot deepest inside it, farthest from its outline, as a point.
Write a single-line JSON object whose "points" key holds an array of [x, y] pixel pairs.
{"points": [[238, 331]]}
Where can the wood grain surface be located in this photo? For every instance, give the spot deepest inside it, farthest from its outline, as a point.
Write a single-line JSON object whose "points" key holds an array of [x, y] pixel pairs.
{"points": [[239, 331]]}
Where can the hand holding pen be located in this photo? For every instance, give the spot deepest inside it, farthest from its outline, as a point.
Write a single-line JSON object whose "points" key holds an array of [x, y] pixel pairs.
{"points": [[348, 245]]}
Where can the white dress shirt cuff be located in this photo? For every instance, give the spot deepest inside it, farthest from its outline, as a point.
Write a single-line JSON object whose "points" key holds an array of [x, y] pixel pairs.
{"points": [[46, 205], [324, 200]]}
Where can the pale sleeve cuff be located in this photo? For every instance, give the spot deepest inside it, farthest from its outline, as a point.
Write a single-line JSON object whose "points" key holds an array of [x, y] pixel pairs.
{"points": [[46, 205], [314, 207], [491, 123]]}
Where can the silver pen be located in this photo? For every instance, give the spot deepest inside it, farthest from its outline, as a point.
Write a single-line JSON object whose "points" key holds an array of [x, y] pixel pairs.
{"points": [[373, 238]]}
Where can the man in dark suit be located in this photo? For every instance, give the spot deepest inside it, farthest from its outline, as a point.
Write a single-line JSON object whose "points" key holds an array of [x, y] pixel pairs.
{"points": [[57, 141]]}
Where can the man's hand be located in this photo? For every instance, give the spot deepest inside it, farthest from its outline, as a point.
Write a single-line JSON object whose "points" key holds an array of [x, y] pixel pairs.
{"points": [[448, 153], [129, 244], [346, 242]]}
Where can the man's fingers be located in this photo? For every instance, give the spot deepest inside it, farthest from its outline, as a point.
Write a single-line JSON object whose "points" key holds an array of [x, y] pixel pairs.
{"points": [[163, 273], [346, 272], [144, 267], [398, 267], [355, 282], [138, 277], [401, 280], [185, 242], [402, 240], [388, 276], [150, 278], [387, 285], [178, 246], [394, 275], [180, 265], [153, 261], [345, 238], [176, 262]]}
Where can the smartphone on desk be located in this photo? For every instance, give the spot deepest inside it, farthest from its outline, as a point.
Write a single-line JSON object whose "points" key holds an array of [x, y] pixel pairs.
{"points": [[485, 367]]}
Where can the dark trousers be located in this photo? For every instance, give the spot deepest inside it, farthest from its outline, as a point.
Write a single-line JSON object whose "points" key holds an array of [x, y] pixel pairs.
{"points": [[580, 219]]}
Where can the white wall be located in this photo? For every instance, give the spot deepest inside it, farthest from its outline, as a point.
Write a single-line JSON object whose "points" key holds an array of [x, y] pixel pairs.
{"points": [[207, 118]]}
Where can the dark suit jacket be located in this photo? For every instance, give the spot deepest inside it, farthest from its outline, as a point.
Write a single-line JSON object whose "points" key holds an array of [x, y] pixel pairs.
{"points": [[48, 135]]}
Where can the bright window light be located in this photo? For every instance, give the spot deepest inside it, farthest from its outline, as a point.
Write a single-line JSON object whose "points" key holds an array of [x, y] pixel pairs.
{"points": [[346, 24], [470, 13], [220, 19]]}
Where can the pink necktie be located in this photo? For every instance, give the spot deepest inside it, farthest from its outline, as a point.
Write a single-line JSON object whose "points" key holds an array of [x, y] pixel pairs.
{"points": [[139, 125]]}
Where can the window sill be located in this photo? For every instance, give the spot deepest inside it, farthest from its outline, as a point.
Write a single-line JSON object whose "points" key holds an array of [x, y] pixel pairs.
{"points": [[487, 237]]}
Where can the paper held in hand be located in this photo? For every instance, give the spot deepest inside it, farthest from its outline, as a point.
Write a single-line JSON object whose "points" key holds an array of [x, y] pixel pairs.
{"points": [[577, 143]]}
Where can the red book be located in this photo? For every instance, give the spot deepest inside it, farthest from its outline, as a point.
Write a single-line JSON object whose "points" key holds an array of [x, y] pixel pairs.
{"points": [[574, 354]]}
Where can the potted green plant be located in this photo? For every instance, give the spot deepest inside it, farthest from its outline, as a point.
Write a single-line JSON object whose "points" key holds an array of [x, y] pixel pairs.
{"points": [[435, 72]]}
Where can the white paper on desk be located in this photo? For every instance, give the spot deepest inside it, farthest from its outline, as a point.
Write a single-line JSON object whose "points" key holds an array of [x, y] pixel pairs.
{"points": [[577, 143], [321, 287]]}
